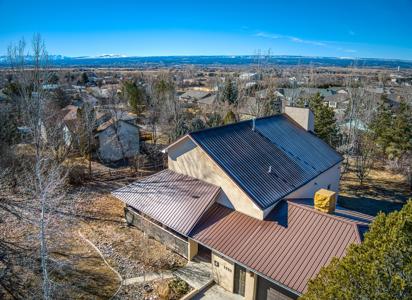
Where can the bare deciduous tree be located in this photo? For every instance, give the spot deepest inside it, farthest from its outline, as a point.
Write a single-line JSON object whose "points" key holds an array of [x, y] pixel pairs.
{"points": [[364, 157], [43, 171]]}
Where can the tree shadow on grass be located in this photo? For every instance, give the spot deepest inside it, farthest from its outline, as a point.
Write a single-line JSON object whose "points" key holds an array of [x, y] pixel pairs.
{"points": [[368, 205]]}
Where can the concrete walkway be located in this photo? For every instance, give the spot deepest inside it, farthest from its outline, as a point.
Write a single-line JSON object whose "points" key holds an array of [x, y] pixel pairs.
{"points": [[197, 274], [148, 277], [216, 292]]}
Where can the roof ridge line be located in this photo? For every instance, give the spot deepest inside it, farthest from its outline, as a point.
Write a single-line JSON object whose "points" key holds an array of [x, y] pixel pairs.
{"points": [[236, 123]]}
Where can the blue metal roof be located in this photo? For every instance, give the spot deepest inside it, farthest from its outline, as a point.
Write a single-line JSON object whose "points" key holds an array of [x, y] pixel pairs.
{"points": [[294, 155]]}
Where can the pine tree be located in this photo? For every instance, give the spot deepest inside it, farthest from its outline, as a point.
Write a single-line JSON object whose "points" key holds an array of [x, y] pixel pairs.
{"points": [[180, 129], [229, 93], [135, 96], [214, 119], [197, 124], [381, 126], [84, 78], [401, 133], [379, 268], [325, 122]]}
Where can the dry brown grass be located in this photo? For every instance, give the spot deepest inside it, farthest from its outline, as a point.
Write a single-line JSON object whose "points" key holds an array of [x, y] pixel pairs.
{"points": [[383, 190], [77, 270]]}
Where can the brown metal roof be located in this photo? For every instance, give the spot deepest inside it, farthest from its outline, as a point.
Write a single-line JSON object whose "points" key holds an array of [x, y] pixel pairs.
{"points": [[173, 199], [289, 247]]}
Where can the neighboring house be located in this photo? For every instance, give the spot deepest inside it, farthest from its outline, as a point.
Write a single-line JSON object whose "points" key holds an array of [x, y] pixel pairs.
{"points": [[350, 125], [264, 94], [337, 101], [249, 76], [118, 138], [192, 96], [293, 94], [375, 90], [207, 102], [242, 193]]}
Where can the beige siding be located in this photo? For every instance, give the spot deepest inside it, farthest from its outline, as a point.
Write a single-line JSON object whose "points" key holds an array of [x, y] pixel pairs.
{"points": [[187, 158], [330, 177], [223, 272], [192, 249], [250, 285]]}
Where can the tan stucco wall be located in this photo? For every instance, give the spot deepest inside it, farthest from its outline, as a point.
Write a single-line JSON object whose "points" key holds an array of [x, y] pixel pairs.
{"points": [[192, 248], [223, 272], [187, 158], [250, 285], [330, 177]]}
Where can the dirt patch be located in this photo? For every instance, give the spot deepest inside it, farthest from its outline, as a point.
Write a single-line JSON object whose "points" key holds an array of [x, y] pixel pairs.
{"points": [[171, 289], [127, 249], [76, 268]]}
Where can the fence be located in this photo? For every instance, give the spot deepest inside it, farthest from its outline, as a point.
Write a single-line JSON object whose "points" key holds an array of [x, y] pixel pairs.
{"points": [[167, 238], [139, 169]]}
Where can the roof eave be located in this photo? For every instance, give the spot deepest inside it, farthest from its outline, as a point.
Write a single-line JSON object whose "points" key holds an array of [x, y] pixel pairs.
{"points": [[253, 270]]}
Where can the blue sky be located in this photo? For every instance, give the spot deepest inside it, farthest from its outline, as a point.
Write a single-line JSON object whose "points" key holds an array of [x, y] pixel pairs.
{"points": [[380, 28]]}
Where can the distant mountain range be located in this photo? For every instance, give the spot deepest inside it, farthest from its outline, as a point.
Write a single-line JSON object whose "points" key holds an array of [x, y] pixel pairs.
{"points": [[122, 61]]}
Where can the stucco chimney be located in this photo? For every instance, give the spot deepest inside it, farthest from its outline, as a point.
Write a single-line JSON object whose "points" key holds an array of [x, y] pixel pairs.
{"points": [[303, 116], [325, 201]]}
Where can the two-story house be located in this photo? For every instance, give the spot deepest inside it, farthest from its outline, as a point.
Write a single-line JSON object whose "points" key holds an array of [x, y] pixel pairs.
{"points": [[243, 193]]}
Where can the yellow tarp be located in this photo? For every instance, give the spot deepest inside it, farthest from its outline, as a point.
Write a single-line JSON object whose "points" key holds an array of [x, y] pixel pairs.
{"points": [[325, 201]]}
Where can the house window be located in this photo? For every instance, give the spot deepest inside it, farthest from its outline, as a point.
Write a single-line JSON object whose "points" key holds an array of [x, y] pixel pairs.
{"points": [[216, 263]]}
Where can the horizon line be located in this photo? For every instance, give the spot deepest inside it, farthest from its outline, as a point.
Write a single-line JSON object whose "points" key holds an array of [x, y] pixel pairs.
{"points": [[118, 56]]}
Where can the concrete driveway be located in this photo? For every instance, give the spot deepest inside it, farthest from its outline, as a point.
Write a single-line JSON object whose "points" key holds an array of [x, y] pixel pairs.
{"points": [[216, 292]]}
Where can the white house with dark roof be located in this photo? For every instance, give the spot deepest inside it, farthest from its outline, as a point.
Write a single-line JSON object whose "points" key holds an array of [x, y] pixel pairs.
{"points": [[243, 194], [118, 137]]}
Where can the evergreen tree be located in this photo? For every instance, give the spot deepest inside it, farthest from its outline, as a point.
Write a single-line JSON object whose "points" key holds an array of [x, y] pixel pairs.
{"points": [[401, 133], [214, 119], [381, 126], [229, 93], [197, 124], [53, 79], [84, 78], [134, 95], [229, 118], [393, 133], [180, 129], [379, 268], [271, 104], [325, 122]]}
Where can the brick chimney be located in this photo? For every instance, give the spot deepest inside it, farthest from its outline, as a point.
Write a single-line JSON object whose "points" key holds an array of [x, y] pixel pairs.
{"points": [[303, 116], [325, 201]]}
